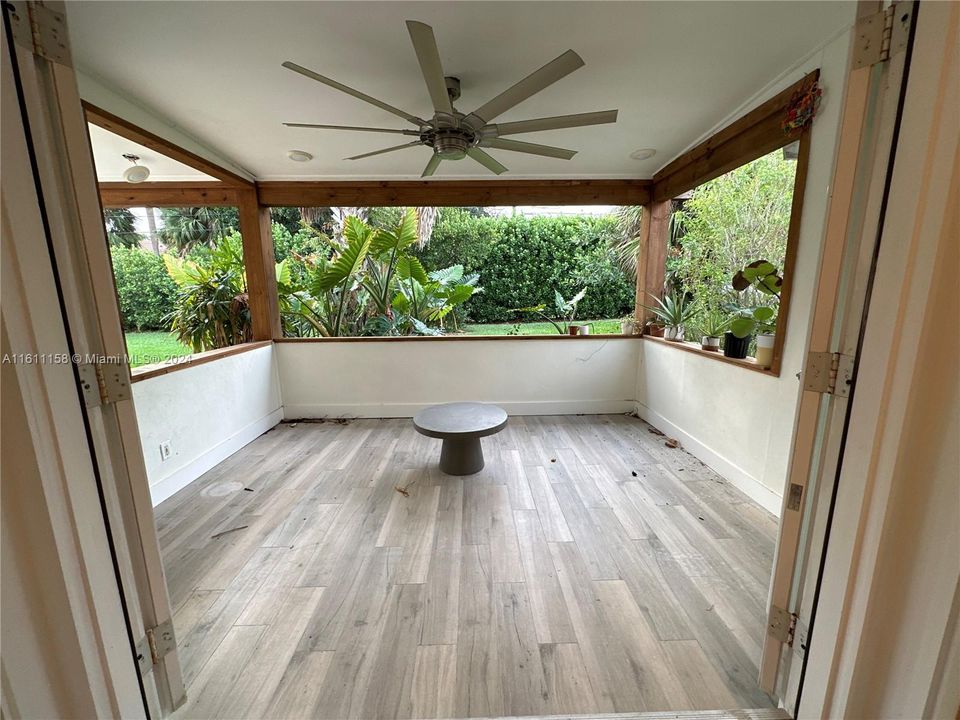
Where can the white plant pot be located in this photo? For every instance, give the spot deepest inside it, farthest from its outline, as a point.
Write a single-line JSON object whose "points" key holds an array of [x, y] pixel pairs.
{"points": [[673, 332], [584, 329], [765, 349], [710, 343], [627, 327]]}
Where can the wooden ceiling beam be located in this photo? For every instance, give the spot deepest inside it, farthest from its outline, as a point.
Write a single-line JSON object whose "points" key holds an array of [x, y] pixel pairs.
{"points": [[455, 193], [134, 133], [167, 194]]}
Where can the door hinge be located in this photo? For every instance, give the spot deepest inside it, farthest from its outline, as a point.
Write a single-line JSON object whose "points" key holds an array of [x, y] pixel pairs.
{"points": [[41, 30], [781, 625], [830, 373], [103, 383], [155, 645], [880, 36]]}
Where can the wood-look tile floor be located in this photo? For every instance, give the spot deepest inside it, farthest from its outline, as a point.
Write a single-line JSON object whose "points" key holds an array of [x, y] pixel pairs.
{"points": [[587, 569]]}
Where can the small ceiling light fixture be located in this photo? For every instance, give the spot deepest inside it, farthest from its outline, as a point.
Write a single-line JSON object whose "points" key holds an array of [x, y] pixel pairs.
{"points": [[643, 154], [137, 173], [300, 156]]}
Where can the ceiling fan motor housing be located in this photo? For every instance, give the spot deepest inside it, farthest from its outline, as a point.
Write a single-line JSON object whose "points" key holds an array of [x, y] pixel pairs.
{"points": [[452, 144]]}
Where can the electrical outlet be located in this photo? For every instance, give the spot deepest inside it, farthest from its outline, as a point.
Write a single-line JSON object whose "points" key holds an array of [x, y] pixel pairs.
{"points": [[165, 451]]}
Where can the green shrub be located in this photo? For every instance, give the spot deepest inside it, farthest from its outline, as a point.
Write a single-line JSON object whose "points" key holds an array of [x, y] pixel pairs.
{"points": [[523, 261], [144, 288]]}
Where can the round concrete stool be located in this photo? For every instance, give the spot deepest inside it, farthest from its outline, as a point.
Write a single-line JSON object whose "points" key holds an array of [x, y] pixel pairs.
{"points": [[460, 425]]}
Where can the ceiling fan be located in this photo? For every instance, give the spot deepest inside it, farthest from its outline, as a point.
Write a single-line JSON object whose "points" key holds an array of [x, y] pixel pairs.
{"points": [[453, 135]]}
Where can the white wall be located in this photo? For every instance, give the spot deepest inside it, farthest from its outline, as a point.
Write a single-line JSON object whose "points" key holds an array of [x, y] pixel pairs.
{"points": [[738, 421], [207, 412], [395, 379]]}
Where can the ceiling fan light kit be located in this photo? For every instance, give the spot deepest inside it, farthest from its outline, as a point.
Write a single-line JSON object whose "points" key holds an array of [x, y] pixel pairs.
{"points": [[453, 135]]}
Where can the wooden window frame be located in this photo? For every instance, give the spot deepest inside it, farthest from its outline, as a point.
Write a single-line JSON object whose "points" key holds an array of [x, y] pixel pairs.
{"points": [[749, 138]]}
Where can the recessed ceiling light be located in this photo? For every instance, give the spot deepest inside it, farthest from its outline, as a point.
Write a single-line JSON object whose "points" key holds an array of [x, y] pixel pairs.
{"points": [[643, 154], [299, 156]]}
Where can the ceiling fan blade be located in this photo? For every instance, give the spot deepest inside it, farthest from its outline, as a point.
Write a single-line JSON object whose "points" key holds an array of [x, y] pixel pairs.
{"points": [[556, 123], [414, 133], [488, 161], [425, 45], [529, 148], [532, 84], [355, 93], [432, 166], [385, 150]]}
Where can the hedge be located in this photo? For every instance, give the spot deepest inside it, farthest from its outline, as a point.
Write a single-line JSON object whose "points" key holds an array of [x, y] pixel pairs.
{"points": [[522, 261], [144, 288]]}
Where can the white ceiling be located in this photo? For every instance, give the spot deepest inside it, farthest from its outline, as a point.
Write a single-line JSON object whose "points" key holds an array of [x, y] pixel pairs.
{"points": [[674, 70], [109, 149]]}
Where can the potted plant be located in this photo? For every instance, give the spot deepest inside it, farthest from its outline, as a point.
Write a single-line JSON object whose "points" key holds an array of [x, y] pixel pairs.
{"points": [[713, 325], [628, 325], [673, 312], [744, 323], [762, 276], [654, 328], [565, 309]]}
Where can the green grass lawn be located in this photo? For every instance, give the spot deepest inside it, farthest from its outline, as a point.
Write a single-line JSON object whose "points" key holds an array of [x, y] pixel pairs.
{"points": [[597, 327], [145, 348]]}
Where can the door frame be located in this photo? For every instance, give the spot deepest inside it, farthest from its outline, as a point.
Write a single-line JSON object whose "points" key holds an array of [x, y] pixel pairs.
{"points": [[867, 134], [80, 254]]}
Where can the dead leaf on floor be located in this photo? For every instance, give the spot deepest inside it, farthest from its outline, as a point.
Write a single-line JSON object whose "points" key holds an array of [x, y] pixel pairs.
{"points": [[654, 431], [227, 532], [553, 459], [246, 489], [672, 443], [633, 472], [405, 489]]}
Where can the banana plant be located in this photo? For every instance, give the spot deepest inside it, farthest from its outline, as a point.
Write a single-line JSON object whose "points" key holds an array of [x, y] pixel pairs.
{"points": [[334, 281], [386, 251]]}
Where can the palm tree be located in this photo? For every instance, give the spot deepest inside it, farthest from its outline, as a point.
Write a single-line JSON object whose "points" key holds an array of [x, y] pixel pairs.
{"points": [[626, 243], [186, 228], [121, 226], [426, 219]]}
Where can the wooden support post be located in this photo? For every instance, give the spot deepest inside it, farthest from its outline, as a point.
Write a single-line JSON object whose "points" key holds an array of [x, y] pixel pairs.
{"points": [[260, 266], [652, 255]]}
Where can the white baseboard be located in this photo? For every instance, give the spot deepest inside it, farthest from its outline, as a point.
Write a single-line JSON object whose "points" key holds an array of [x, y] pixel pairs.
{"points": [[735, 475], [399, 410], [186, 474]]}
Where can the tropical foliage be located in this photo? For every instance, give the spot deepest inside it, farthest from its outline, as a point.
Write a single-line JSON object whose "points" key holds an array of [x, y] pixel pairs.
{"points": [[212, 308], [367, 282], [185, 229], [563, 309], [727, 223]]}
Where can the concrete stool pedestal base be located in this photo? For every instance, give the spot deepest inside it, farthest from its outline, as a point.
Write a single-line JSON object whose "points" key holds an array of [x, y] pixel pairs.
{"points": [[460, 426]]}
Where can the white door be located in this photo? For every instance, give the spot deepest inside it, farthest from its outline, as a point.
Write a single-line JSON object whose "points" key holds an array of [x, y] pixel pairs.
{"points": [[69, 201], [872, 105]]}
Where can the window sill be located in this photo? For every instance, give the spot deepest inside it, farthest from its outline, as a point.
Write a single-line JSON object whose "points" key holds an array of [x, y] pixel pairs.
{"points": [[455, 338], [746, 363], [145, 372]]}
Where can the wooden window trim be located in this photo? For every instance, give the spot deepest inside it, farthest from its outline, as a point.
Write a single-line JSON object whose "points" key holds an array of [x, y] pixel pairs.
{"points": [[750, 137], [188, 361], [746, 363]]}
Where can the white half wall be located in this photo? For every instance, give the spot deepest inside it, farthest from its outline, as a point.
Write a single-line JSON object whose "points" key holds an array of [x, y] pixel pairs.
{"points": [[397, 378], [737, 421], [206, 412]]}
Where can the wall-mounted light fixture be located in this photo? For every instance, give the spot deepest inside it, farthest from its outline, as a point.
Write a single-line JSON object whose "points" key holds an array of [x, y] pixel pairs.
{"points": [[137, 173]]}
